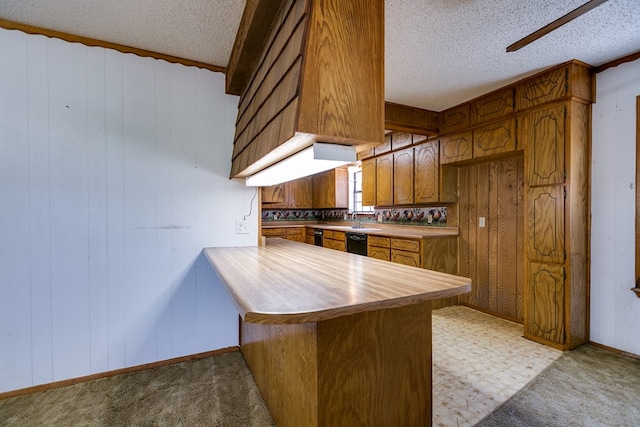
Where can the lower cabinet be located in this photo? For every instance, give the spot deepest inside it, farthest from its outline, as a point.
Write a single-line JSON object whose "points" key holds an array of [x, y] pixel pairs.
{"points": [[297, 234], [545, 303], [334, 240], [379, 247]]}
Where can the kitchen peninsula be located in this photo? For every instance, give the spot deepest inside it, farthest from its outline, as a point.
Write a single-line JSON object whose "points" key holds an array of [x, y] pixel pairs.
{"points": [[334, 338]]}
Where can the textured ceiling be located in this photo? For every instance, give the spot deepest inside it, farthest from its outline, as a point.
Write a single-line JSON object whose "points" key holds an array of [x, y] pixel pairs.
{"points": [[439, 53]]}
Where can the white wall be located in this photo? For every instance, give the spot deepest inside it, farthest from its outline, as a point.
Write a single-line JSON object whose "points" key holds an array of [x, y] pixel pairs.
{"points": [[615, 310], [113, 177]]}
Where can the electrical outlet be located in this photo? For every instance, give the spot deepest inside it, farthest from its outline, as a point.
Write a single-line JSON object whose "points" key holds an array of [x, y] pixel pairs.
{"points": [[481, 222], [242, 226]]}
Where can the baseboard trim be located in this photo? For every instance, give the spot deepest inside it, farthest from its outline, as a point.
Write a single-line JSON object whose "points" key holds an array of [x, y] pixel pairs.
{"points": [[493, 313], [614, 350], [108, 374]]}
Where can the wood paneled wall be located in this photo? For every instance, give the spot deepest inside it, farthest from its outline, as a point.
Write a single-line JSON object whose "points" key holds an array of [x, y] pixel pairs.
{"points": [[493, 255], [113, 177]]}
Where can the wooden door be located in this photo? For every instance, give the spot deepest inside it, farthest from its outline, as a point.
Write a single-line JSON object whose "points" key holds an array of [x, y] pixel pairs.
{"points": [[403, 177], [369, 182], [302, 193], [491, 249], [274, 193], [384, 180], [545, 302], [427, 172], [545, 224], [542, 133]]}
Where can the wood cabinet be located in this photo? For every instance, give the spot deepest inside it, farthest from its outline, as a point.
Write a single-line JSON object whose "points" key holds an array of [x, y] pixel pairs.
{"points": [[403, 177], [557, 205], [297, 234], [296, 194], [494, 105], [495, 138], [379, 247], [427, 172], [384, 180], [369, 182], [331, 189], [456, 148], [274, 193], [334, 240]]}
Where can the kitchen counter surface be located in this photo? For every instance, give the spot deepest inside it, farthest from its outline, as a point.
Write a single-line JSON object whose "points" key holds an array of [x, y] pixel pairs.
{"points": [[287, 282], [377, 229]]}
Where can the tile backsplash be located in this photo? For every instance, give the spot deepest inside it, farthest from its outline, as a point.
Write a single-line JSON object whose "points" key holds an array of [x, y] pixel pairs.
{"points": [[430, 217]]}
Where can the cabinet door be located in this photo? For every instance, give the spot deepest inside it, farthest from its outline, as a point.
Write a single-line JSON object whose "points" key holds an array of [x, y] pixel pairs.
{"points": [[495, 138], [455, 148], [302, 193], [274, 193], [543, 134], [427, 172], [545, 224], [379, 253], [403, 177], [545, 306], [369, 182], [322, 186], [406, 258], [384, 180]]}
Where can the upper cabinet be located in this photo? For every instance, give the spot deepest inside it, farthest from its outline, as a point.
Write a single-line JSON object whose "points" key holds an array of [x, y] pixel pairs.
{"points": [[331, 189], [319, 78], [403, 177], [495, 138], [296, 194], [369, 182], [384, 180], [427, 172]]}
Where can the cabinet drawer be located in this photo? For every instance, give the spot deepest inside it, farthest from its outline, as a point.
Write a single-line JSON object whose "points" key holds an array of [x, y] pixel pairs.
{"points": [[406, 258], [382, 242], [274, 232], [295, 231], [379, 253], [406, 245], [337, 245], [330, 234]]}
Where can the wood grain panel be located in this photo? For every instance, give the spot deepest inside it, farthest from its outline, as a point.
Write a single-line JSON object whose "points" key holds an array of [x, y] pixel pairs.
{"points": [[456, 148], [384, 147], [495, 138], [410, 119], [545, 224], [455, 119], [546, 302], [427, 172], [492, 106], [405, 245], [375, 368], [542, 88], [543, 134], [383, 242], [343, 79], [403, 177], [369, 182], [379, 253], [283, 361], [400, 140], [407, 258], [384, 180]]}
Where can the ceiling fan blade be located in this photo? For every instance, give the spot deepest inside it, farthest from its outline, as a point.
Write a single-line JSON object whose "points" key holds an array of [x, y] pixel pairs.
{"points": [[555, 24]]}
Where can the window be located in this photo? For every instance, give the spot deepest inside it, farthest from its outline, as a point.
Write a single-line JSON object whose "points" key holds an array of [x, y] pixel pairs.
{"points": [[355, 191]]}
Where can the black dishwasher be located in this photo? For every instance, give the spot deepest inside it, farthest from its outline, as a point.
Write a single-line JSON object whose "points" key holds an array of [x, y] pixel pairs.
{"points": [[357, 243], [317, 237]]}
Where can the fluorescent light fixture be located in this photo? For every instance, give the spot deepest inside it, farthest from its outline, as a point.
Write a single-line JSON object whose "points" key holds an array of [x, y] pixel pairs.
{"points": [[317, 158]]}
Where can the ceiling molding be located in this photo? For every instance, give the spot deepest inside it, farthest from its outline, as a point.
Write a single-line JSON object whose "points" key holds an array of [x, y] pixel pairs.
{"points": [[30, 29], [616, 62]]}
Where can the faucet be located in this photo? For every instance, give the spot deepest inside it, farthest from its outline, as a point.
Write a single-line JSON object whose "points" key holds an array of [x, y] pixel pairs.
{"points": [[358, 224]]}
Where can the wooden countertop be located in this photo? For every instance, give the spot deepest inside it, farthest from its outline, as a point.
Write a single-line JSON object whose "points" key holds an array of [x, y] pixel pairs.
{"points": [[377, 229], [288, 282]]}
